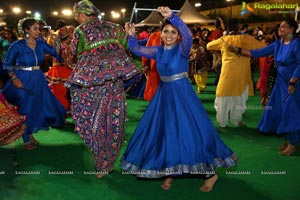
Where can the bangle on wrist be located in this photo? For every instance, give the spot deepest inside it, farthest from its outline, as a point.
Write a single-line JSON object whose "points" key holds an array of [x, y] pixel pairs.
{"points": [[292, 83], [239, 51], [14, 78]]}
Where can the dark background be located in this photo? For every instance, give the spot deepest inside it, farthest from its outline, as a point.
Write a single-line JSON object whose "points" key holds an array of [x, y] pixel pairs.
{"points": [[46, 7]]}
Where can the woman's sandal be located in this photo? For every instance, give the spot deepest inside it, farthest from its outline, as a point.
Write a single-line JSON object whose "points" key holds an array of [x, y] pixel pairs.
{"points": [[209, 183], [167, 183]]}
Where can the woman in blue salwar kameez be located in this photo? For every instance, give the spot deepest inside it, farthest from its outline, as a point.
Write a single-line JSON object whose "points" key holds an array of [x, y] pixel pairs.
{"points": [[28, 88], [282, 112]]}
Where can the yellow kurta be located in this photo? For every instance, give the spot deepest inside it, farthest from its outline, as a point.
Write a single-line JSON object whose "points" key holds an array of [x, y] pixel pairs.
{"points": [[236, 71]]}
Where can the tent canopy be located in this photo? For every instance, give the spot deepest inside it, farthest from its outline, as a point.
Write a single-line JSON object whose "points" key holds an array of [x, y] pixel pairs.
{"points": [[189, 15], [154, 19]]}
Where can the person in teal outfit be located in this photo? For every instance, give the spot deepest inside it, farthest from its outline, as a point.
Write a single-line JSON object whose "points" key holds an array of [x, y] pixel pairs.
{"points": [[175, 136]]}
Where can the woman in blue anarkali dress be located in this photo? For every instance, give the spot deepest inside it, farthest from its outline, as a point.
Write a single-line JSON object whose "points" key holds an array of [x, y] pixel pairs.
{"points": [[175, 135], [28, 88], [282, 112]]}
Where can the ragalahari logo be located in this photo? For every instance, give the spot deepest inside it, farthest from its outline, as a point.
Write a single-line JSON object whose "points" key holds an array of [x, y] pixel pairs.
{"points": [[246, 8]]}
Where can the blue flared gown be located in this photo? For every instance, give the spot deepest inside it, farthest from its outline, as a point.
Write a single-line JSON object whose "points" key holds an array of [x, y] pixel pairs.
{"points": [[175, 134], [281, 115], [37, 102]]}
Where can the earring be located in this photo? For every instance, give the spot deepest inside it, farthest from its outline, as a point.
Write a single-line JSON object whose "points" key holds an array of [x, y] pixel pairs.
{"points": [[26, 35], [290, 36]]}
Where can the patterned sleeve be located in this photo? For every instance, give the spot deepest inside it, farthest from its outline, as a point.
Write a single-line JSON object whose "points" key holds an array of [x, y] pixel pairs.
{"points": [[74, 43], [122, 36], [185, 33], [69, 58]]}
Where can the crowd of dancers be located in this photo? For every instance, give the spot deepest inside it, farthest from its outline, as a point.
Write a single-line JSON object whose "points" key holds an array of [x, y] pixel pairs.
{"points": [[82, 72]]}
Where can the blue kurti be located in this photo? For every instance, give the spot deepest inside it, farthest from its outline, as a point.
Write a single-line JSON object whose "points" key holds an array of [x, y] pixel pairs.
{"points": [[40, 106], [282, 112], [175, 134]]}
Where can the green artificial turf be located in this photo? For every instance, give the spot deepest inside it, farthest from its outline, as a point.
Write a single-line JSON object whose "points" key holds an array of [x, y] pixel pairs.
{"points": [[261, 172]]}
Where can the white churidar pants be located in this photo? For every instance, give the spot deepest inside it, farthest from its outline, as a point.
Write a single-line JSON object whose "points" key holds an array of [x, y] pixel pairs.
{"points": [[231, 106]]}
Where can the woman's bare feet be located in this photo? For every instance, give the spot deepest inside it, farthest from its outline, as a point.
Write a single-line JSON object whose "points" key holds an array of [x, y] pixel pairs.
{"points": [[33, 140], [289, 150], [241, 124], [28, 146], [284, 146], [167, 183], [100, 175], [104, 173], [209, 183]]}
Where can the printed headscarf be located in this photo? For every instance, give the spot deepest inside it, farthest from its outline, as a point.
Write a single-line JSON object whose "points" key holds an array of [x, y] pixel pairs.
{"points": [[86, 7]]}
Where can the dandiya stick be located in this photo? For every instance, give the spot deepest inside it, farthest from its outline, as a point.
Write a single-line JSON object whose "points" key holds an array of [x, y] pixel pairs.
{"points": [[132, 13], [151, 9], [27, 90]]}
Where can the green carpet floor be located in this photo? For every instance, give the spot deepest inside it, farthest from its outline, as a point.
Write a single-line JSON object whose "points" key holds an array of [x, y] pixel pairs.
{"points": [[261, 172]]}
